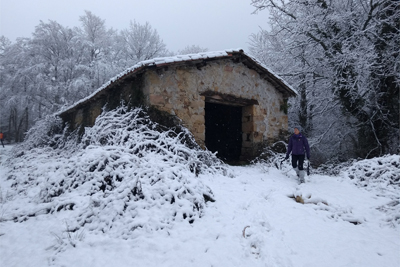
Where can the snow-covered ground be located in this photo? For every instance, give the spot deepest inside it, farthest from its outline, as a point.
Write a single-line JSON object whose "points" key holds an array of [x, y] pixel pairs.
{"points": [[254, 222], [140, 203]]}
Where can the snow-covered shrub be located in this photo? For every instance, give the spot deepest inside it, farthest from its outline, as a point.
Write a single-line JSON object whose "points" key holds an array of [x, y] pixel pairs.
{"points": [[335, 168], [127, 173], [67, 238], [45, 132], [272, 157], [48, 133], [134, 130], [381, 171]]}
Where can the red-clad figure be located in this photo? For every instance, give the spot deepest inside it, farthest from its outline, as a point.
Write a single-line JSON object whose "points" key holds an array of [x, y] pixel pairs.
{"points": [[1, 138]]}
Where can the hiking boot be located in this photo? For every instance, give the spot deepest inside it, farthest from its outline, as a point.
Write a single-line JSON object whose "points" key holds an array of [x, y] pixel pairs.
{"points": [[301, 176], [297, 171]]}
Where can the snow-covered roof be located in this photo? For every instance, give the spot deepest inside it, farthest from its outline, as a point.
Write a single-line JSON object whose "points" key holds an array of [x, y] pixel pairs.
{"points": [[186, 58]]}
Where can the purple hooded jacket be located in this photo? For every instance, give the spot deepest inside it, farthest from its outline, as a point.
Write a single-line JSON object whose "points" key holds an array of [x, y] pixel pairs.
{"points": [[297, 144]]}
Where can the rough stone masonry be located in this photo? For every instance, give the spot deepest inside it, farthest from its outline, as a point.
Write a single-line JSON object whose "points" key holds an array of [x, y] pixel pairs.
{"points": [[182, 86]]}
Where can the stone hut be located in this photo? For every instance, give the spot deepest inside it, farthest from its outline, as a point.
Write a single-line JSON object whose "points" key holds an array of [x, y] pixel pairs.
{"points": [[228, 100]]}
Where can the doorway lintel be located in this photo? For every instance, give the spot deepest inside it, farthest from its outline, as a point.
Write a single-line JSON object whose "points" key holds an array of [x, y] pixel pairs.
{"points": [[227, 99]]}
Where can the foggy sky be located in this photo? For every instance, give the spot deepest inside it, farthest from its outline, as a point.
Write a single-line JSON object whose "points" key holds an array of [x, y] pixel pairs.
{"points": [[212, 24]]}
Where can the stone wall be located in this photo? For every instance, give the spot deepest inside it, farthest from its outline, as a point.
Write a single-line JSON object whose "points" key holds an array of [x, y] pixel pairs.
{"points": [[182, 90], [178, 90]]}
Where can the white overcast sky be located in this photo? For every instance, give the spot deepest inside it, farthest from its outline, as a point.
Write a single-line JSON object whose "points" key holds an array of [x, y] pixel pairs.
{"points": [[212, 24]]}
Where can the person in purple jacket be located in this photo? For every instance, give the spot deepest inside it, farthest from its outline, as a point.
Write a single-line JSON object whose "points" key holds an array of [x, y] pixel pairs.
{"points": [[298, 146]]}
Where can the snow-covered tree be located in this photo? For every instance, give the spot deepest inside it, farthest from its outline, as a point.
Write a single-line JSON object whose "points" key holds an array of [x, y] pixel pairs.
{"points": [[141, 42], [94, 34], [342, 56], [16, 84], [192, 49], [98, 45], [59, 66], [58, 60]]}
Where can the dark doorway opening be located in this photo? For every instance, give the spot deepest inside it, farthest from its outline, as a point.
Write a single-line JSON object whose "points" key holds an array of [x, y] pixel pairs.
{"points": [[224, 130]]}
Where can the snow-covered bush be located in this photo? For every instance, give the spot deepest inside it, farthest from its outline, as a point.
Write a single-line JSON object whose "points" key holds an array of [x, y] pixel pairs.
{"points": [[45, 132], [381, 171], [335, 168], [127, 173], [272, 156], [67, 238]]}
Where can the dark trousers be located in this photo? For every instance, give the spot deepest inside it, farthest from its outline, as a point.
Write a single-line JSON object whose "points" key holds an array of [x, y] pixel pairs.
{"points": [[297, 161], [2, 142]]}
